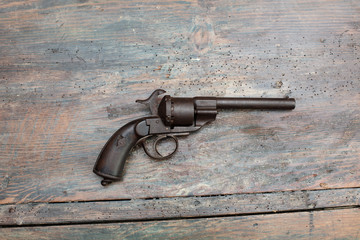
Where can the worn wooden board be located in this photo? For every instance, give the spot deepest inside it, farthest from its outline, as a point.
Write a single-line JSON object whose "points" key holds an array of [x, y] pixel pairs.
{"points": [[336, 224], [71, 71], [174, 208]]}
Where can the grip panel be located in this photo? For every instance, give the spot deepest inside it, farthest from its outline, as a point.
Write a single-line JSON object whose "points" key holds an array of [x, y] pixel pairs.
{"points": [[111, 160]]}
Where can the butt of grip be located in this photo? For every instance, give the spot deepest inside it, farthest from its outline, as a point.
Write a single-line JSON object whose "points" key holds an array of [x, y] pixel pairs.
{"points": [[112, 158]]}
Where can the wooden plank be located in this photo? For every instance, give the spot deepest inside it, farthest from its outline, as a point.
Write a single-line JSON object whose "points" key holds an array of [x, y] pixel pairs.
{"points": [[70, 73], [334, 224], [174, 208]]}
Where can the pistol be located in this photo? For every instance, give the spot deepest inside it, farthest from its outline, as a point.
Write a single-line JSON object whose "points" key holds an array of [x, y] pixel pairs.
{"points": [[170, 117]]}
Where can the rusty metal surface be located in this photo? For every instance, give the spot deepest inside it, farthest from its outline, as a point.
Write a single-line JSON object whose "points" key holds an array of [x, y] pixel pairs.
{"points": [[174, 116]]}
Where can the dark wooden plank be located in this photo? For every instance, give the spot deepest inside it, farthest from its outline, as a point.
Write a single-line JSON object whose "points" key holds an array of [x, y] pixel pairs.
{"points": [[174, 208], [71, 71], [334, 224]]}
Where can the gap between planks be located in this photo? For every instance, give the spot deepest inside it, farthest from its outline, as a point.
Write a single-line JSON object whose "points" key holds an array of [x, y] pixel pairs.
{"points": [[36, 214], [335, 224]]}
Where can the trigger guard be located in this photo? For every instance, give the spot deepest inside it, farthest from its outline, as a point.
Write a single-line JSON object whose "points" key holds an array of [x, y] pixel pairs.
{"points": [[163, 137], [160, 156]]}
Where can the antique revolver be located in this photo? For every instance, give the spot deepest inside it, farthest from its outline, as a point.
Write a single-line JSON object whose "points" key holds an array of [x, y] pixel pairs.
{"points": [[170, 117]]}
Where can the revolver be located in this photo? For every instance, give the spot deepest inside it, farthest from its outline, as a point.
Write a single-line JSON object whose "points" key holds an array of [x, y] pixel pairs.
{"points": [[170, 117]]}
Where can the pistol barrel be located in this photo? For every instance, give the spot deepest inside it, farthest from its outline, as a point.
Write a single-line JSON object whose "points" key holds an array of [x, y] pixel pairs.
{"points": [[255, 103]]}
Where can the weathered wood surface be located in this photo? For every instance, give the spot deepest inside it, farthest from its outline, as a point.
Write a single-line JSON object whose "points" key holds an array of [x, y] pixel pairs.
{"points": [[71, 71], [336, 224], [174, 208]]}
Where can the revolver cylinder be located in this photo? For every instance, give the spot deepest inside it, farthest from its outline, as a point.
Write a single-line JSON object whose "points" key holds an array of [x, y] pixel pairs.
{"points": [[177, 111]]}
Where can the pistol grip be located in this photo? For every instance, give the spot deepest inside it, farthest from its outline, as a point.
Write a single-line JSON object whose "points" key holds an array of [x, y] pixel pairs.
{"points": [[111, 160]]}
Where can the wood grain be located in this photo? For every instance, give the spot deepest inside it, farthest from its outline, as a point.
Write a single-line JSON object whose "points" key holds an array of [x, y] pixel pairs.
{"points": [[336, 224], [174, 208], [71, 71]]}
